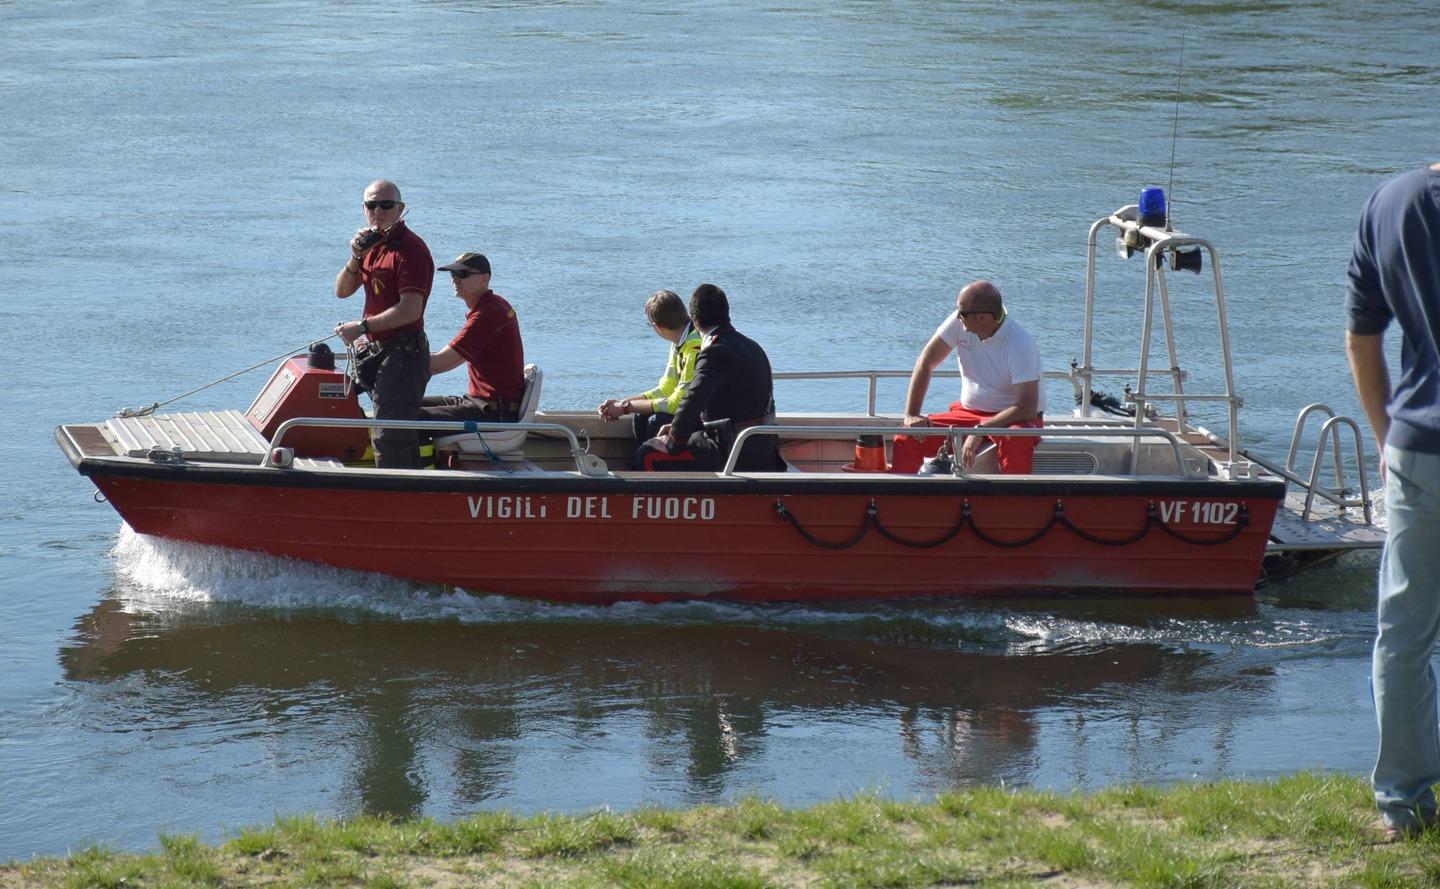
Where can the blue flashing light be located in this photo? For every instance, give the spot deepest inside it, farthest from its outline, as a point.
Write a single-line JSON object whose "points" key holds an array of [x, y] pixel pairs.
{"points": [[1152, 207]]}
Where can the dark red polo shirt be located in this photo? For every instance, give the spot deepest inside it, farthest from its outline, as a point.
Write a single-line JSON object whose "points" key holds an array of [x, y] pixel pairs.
{"points": [[490, 344], [402, 262]]}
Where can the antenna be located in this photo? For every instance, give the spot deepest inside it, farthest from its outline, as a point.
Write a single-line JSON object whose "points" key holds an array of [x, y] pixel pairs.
{"points": [[1175, 132]]}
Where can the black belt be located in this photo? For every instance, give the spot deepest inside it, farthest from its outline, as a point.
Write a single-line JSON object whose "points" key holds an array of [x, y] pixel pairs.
{"points": [[413, 339], [510, 409]]}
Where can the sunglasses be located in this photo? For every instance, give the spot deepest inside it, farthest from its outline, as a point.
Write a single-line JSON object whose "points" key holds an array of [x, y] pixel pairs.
{"points": [[381, 205], [461, 276], [972, 312]]}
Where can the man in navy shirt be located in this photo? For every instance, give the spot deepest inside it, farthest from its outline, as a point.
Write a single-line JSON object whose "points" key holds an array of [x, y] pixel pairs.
{"points": [[1395, 275]]}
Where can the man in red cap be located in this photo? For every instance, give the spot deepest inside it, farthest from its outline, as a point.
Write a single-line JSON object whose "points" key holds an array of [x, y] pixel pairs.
{"points": [[488, 342]]}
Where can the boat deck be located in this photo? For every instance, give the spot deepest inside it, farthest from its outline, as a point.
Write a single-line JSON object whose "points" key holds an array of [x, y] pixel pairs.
{"points": [[1327, 528], [220, 436]]}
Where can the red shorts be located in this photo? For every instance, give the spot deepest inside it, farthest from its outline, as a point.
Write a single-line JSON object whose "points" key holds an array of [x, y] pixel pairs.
{"points": [[1017, 452]]}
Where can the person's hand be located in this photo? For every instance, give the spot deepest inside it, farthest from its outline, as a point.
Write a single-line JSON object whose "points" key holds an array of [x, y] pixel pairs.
{"points": [[663, 443], [912, 420], [364, 239], [970, 449], [664, 432], [349, 331], [610, 410]]}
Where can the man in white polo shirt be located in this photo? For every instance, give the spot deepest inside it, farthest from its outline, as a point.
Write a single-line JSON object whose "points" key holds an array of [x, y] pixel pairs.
{"points": [[1000, 366]]}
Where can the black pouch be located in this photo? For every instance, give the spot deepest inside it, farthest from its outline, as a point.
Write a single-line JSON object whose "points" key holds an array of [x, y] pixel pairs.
{"points": [[364, 369], [722, 432]]}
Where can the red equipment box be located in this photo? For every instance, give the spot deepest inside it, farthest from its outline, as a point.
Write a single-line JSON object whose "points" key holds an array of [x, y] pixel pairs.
{"points": [[298, 390]]}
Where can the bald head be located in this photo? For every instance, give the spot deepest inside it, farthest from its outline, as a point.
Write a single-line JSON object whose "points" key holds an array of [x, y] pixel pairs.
{"points": [[980, 296], [382, 190], [383, 207]]}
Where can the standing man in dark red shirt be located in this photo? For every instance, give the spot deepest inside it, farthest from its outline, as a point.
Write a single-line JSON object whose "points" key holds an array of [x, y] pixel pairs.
{"points": [[489, 343], [395, 267]]}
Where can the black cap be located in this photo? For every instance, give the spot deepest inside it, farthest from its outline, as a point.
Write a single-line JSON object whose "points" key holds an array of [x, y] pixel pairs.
{"points": [[468, 262]]}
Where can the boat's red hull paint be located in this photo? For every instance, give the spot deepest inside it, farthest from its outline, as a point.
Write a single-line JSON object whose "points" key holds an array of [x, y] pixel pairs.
{"points": [[608, 547]]}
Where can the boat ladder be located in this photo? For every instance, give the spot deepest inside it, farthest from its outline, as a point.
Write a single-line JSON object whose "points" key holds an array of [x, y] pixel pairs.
{"points": [[1302, 524]]}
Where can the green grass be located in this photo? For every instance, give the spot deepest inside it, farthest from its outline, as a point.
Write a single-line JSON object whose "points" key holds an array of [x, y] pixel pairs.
{"points": [[1303, 830]]}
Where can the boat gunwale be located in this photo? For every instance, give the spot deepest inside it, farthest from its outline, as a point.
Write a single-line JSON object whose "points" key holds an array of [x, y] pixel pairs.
{"points": [[768, 484]]}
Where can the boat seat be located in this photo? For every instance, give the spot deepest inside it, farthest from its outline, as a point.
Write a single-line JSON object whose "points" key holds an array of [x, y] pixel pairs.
{"points": [[507, 445], [1047, 461]]}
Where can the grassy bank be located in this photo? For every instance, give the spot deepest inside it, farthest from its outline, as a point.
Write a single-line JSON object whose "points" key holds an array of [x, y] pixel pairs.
{"points": [[1307, 830]]}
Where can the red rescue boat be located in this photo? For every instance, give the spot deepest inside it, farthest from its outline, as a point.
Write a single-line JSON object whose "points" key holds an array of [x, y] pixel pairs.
{"points": [[1120, 501]]}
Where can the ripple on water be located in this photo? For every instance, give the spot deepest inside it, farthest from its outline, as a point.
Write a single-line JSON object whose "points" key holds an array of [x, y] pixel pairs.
{"points": [[171, 578]]}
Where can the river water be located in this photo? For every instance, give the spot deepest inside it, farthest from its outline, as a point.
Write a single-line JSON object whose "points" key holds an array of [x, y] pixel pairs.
{"points": [[181, 181]]}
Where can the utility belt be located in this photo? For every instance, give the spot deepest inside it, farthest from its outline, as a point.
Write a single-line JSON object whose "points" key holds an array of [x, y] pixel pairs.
{"points": [[369, 357], [723, 432], [507, 411], [405, 340]]}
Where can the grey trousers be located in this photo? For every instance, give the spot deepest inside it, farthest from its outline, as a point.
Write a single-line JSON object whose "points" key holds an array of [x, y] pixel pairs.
{"points": [[399, 388]]}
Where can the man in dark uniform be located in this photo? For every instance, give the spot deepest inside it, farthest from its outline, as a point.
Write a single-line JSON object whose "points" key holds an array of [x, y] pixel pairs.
{"points": [[395, 267], [732, 383]]}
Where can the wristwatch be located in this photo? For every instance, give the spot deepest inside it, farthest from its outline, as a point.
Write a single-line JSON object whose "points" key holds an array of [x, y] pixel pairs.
{"points": [[365, 326], [626, 407]]}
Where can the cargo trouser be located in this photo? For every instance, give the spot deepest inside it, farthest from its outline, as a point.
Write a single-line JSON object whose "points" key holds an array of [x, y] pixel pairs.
{"points": [[1017, 454], [399, 388]]}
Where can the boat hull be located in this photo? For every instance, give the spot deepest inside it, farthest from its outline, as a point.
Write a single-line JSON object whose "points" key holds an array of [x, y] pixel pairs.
{"points": [[568, 538]]}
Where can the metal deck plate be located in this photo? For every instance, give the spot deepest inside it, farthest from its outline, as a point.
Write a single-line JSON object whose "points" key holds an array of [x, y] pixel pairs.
{"points": [[1328, 528], [224, 436]]}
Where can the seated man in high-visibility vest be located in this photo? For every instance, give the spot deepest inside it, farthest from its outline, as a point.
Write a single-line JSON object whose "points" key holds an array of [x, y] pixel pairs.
{"points": [[1000, 386], [650, 411]]}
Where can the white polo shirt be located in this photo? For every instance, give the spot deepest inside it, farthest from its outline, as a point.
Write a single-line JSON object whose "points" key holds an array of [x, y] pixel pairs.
{"points": [[991, 368]]}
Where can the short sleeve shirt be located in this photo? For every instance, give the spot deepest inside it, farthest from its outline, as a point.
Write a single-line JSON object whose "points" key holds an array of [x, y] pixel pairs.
{"points": [[1395, 275], [992, 368], [490, 343], [402, 262]]}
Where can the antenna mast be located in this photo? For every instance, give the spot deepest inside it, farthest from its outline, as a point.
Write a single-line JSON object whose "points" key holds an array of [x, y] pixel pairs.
{"points": [[1175, 132]]}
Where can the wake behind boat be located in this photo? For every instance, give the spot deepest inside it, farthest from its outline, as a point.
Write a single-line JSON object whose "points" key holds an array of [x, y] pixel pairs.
{"points": [[1124, 499]]}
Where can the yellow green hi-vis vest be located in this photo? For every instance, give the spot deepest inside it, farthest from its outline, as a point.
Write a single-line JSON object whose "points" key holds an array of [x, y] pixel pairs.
{"points": [[679, 371]]}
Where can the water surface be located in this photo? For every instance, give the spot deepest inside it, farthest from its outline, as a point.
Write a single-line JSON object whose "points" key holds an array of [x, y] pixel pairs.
{"points": [[181, 182]]}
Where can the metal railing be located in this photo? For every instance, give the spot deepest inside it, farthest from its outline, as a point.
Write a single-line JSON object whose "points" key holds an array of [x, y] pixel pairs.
{"points": [[1329, 432], [585, 463], [954, 432], [875, 376], [1154, 243]]}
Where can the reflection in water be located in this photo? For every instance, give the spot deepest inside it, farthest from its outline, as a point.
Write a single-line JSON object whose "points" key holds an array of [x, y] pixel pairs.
{"points": [[412, 710]]}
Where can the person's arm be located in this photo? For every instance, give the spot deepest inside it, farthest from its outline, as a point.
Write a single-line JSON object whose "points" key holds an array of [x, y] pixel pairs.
{"points": [[1026, 407], [348, 281], [1368, 315], [709, 377], [667, 382], [666, 396], [1372, 382], [410, 307], [934, 352], [675, 386], [446, 359]]}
